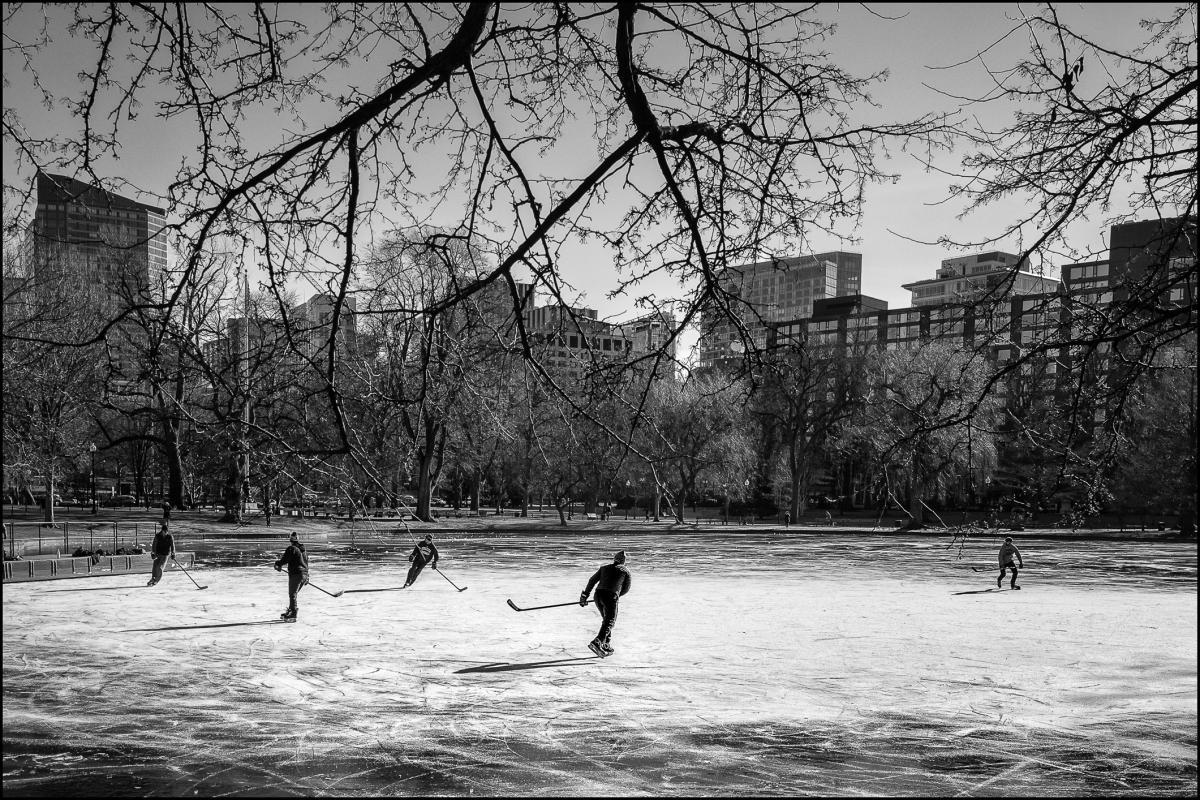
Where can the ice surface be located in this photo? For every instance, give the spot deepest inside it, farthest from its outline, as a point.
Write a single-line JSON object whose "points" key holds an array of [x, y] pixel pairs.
{"points": [[747, 663]]}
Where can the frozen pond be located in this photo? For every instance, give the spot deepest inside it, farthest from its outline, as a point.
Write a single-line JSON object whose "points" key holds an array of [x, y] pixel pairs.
{"points": [[746, 663]]}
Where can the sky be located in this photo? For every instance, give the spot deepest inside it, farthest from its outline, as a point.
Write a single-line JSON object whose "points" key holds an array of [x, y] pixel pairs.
{"points": [[910, 40]]}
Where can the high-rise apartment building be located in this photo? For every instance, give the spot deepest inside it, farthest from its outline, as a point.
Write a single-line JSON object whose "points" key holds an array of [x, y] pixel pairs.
{"points": [[968, 278], [94, 251], [769, 292], [571, 340], [312, 324], [650, 333], [1072, 331], [85, 239]]}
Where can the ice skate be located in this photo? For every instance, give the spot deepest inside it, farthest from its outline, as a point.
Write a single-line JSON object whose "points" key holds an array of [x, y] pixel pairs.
{"points": [[596, 648], [998, 580], [607, 648]]}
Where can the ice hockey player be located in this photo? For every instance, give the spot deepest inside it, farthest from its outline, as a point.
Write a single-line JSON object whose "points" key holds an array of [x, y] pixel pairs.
{"points": [[161, 549], [1007, 551], [422, 554], [297, 563], [611, 582]]}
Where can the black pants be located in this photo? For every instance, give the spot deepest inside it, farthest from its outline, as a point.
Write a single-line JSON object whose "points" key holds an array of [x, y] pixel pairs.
{"points": [[606, 602], [1013, 567], [156, 571], [296, 582], [414, 571]]}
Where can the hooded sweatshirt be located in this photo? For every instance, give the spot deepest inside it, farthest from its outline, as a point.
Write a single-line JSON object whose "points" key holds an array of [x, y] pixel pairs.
{"points": [[611, 579], [295, 558]]}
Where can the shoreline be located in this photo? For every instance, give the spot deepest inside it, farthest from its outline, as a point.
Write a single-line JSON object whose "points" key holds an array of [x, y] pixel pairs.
{"points": [[205, 524]]}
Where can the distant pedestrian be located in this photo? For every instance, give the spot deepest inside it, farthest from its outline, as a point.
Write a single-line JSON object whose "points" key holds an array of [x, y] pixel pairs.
{"points": [[166, 509], [1007, 551], [162, 548], [297, 563], [611, 582], [424, 553]]}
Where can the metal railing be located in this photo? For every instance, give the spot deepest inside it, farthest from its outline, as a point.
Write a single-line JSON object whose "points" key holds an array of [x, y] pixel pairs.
{"points": [[26, 539]]}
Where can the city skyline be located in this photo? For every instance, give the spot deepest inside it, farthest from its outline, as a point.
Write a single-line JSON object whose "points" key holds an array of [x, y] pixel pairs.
{"points": [[896, 216]]}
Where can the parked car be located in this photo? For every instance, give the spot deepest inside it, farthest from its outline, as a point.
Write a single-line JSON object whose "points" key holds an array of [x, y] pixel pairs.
{"points": [[120, 501], [437, 502], [407, 500], [41, 499]]}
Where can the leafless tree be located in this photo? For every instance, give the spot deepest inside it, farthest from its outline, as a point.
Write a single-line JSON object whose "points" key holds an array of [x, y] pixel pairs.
{"points": [[1094, 133], [700, 135], [919, 423]]}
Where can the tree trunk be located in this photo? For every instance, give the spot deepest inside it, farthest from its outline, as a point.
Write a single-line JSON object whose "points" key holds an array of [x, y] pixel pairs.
{"points": [[48, 513], [231, 494], [916, 508], [800, 482], [427, 454], [173, 456], [677, 508], [477, 489]]}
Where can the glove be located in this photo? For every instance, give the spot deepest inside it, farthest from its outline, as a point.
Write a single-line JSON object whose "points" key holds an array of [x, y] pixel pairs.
{"points": [[278, 568], [582, 599]]}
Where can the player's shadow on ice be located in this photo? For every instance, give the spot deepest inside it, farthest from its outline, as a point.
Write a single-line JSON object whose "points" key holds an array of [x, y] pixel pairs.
{"points": [[97, 588], [214, 625], [980, 591], [527, 665]]}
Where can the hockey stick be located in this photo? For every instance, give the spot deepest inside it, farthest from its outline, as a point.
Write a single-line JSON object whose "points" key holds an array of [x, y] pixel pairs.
{"points": [[185, 572], [515, 607], [452, 583], [989, 569], [384, 589], [331, 594]]}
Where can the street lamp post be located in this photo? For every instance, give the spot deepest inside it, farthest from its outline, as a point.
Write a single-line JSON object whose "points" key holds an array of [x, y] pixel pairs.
{"points": [[92, 450]]}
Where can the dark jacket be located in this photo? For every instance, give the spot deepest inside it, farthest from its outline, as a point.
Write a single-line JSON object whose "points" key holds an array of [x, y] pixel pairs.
{"points": [[611, 579], [423, 553], [163, 545], [295, 558]]}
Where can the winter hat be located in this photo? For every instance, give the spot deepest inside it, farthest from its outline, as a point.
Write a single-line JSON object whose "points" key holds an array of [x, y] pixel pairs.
{"points": [[1008, 538], [619, 558]]}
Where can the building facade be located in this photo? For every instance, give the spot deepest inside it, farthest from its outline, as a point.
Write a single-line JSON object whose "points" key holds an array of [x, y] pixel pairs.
{"points": [[767, 292], [94, 250], [86, 238], [1072, 343], [970, 278]]}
